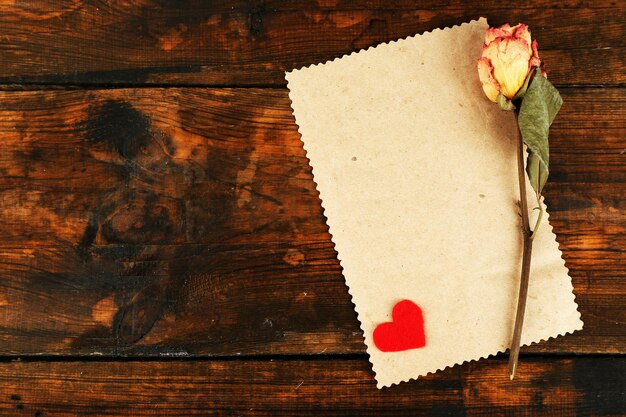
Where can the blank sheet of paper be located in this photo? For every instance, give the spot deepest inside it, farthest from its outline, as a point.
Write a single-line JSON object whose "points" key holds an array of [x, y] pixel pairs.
{"points": [[416, 170]]}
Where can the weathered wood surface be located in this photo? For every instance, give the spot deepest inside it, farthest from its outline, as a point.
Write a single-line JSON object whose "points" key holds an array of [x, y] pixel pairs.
{"points": [[185, 221], [254, 42], [554, 387]]}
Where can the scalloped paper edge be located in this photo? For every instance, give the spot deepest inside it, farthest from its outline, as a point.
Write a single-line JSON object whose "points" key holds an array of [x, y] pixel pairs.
{"points": [[352, 55]]}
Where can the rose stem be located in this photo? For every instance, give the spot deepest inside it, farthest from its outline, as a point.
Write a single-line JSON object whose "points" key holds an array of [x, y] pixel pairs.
{"points": [[528, 247]]}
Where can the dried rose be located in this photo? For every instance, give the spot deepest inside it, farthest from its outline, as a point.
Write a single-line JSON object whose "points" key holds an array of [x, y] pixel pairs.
{"points": [[511, 75], [508, 59]]}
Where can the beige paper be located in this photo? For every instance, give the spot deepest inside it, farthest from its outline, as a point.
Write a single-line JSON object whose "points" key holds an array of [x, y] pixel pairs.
{"points": [[417, 173]]}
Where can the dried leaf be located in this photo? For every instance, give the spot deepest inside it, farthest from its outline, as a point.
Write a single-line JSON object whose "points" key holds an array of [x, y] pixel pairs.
{"points": [[541, 103]]}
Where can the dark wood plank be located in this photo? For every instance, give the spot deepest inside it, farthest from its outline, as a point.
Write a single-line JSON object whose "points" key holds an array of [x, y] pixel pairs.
{"points": [[254, 42], [186, 222], [558, 387], [51, 8]]}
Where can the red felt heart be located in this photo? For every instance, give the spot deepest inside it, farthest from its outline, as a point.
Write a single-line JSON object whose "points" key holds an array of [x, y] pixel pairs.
{"points": [[406, 331]]}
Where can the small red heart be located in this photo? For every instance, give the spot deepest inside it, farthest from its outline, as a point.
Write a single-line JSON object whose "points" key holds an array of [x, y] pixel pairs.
{"points": [[405, 332]]}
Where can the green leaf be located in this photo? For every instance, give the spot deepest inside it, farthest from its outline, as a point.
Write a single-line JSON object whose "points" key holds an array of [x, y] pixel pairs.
{"points": [[537, 172], [540, 105], [504, 103]]}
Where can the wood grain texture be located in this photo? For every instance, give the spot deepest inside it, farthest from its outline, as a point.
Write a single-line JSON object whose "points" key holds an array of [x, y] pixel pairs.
{"points": [[556, 387], [184, 222], [254, 42]]}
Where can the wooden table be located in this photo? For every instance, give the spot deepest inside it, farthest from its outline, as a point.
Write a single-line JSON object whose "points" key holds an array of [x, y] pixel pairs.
{"points": [[163, 249]]}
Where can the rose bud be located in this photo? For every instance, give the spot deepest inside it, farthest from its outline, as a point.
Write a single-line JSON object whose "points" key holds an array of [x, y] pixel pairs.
{"points": [[508, 59]]}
